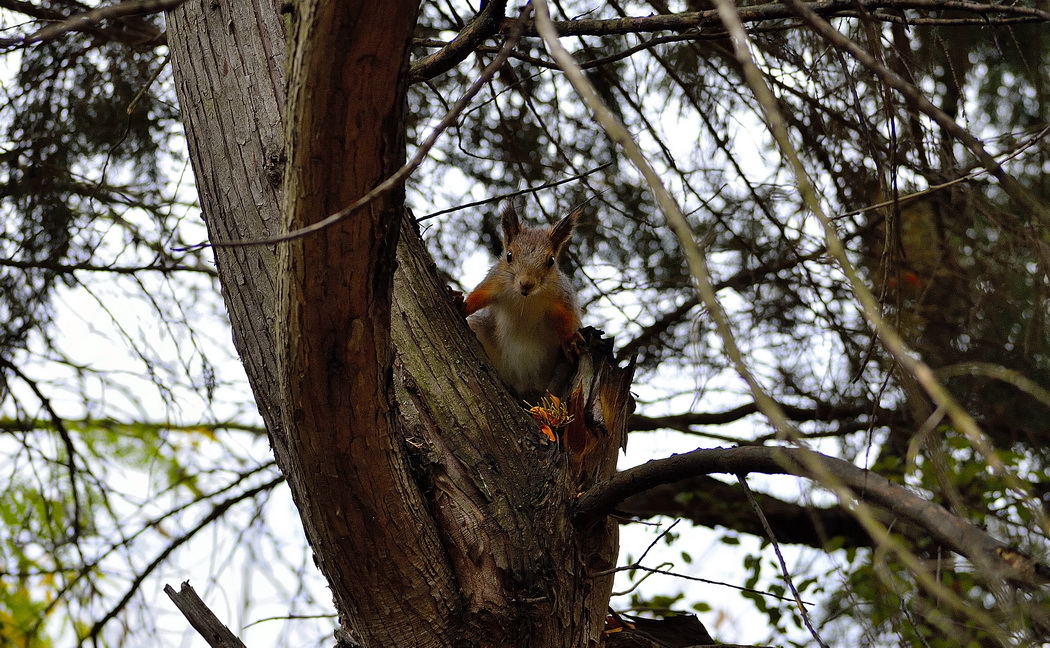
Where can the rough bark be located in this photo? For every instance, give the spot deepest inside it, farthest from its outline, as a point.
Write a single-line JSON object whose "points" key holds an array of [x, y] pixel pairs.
{"points": [[445, 522], [502, 499], [228, 59]]}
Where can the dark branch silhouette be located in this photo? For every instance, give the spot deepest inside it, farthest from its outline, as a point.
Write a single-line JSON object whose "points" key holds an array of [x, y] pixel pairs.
{"points": [[983, 550], [706, 501], [484, 25], [985, 14], [89, 21], [683, 422]]}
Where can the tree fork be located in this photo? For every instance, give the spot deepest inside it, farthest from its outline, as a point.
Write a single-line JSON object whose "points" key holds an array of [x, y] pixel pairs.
{"points": [[519, 576]]}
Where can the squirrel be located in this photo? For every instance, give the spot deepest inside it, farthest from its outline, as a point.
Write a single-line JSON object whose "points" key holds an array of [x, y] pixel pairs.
{"points": [[525, 311]]}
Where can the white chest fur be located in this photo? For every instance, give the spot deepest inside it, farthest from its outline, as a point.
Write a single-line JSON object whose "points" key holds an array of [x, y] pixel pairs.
{"points": [[528, 347]]}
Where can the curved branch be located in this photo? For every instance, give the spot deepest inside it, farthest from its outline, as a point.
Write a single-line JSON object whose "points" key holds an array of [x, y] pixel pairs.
{"points": [[485, 24], [942, 526]]}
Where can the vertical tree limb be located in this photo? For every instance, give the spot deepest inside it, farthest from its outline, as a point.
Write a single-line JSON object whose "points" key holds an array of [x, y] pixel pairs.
{"points": [[373, 537]]}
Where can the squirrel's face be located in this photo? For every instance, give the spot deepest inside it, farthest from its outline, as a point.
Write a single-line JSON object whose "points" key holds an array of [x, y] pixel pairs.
{"points": [[530, 255], [531, 261]]}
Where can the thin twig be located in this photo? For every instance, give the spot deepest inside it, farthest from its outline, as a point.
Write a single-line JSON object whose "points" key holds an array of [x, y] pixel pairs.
{"points": [[900, 200], [740, 588], [513, 194], [697, 264], [887, 335], [893, 80], [695, 258], [89, 267], [780, 557], [67, 441], [217, 511], [778, 11], [637, 565], [663, 534]]}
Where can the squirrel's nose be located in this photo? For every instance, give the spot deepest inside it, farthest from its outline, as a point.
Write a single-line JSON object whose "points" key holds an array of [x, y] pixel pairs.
{"points": [[526, 286]]}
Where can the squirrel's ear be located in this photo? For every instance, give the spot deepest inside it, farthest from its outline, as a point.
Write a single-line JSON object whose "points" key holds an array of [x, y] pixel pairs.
{"points": [[561, 232], [511, 226]]}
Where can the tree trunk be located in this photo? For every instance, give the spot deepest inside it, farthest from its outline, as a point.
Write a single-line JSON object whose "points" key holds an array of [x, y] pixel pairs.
{"points": [[228, 60], [440, 517]]}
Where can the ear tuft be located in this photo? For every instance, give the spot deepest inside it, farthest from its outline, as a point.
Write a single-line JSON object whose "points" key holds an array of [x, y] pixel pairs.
{"points": [[561, 232], [511, 225]]}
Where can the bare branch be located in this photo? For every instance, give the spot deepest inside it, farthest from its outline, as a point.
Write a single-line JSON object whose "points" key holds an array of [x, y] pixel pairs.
{"points": [[201, 618], [8, 424], [919, 100], [1016, 151], [86, 21], [780, 557], [73, 267], [513, 194], [742, 279], [698, 579], [709, 502], [777, 11], [641, 423], [217, 512], [696, 258], [32, 10], [889, 337]]}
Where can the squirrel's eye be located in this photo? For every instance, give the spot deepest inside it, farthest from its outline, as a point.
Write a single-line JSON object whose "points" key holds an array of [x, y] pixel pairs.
{"points": [[550, 262], [510, 257]]}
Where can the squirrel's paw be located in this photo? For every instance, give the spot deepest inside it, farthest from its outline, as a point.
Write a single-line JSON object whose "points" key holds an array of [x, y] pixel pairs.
{"points": [[572, 346], [459, 302]]}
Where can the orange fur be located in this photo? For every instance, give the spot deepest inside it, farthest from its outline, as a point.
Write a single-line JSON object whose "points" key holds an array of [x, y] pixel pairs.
{"points": [[564, 319], [481, 296]]}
